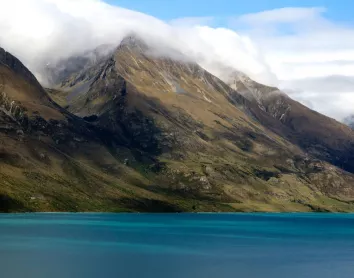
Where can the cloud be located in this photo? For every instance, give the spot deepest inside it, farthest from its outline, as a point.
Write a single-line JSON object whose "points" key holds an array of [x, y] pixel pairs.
{"points": [[50, 29], [310, 55], [283, 15], [45, 31], [325, 85], [339, 105], [297, 49]]}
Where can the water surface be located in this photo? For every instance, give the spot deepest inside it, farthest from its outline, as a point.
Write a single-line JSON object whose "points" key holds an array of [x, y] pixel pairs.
{"points": [[177, 245]]}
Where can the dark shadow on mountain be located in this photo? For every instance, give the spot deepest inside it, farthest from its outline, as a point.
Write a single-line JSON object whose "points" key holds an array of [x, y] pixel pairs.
{"points": [[8, 204], [147, 205]]}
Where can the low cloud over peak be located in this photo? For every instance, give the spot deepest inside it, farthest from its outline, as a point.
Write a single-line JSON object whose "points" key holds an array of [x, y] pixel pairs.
{"points": [[298, 49], [46, 30]]}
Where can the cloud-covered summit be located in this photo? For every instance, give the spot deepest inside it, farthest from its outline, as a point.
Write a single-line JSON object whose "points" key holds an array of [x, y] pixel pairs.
{"points": [[43, 31], [297, 49]]}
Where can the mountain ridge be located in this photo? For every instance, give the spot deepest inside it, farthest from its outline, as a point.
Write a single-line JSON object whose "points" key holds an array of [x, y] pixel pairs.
{"points": [[321, 136], [145, 132], [152, 75]]}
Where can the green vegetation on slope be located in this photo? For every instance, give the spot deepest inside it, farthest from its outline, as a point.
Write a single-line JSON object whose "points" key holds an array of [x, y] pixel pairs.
{"points": [[143, 133]]}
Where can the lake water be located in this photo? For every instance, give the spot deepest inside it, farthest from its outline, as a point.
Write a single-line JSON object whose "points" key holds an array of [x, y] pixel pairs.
{"points": [[177, 245]]}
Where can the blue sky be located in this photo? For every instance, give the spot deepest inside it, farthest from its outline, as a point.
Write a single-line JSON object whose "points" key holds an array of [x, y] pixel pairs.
{"points": [[339, 10]]}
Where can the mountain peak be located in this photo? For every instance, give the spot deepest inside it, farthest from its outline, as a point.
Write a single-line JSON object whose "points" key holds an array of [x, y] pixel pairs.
{"points": [[249, 88], [133, 41]]}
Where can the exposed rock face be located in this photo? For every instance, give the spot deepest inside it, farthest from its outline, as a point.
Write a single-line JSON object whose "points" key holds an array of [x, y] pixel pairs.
{"points": [[250, 89], [56, 73], [11, 109]]}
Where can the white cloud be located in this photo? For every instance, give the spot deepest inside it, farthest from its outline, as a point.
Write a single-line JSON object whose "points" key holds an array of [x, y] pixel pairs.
{"points": [[57, 28], [309, 54], [294, 48], [45, 30], [282, 15]]}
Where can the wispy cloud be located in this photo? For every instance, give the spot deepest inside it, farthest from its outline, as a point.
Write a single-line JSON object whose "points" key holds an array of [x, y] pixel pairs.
{"points": [[310, 55], [283, 15]]}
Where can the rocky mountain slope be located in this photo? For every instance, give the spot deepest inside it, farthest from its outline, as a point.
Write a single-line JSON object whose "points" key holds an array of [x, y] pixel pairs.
{"points": [[51, 160], [193, 137], [318, 135], [124, 129]]}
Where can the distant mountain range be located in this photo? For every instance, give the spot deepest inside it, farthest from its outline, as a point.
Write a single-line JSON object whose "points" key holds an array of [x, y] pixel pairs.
{"points": [[122, 128]]}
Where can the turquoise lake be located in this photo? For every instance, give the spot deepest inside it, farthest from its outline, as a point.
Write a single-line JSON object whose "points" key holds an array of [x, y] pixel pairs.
{"points": [[177, 245]]}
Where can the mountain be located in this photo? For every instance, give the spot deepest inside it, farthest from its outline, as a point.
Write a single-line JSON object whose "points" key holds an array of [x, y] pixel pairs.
{"points": [[319, 136], [193, 137], [64, 68], [51, 160]]}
